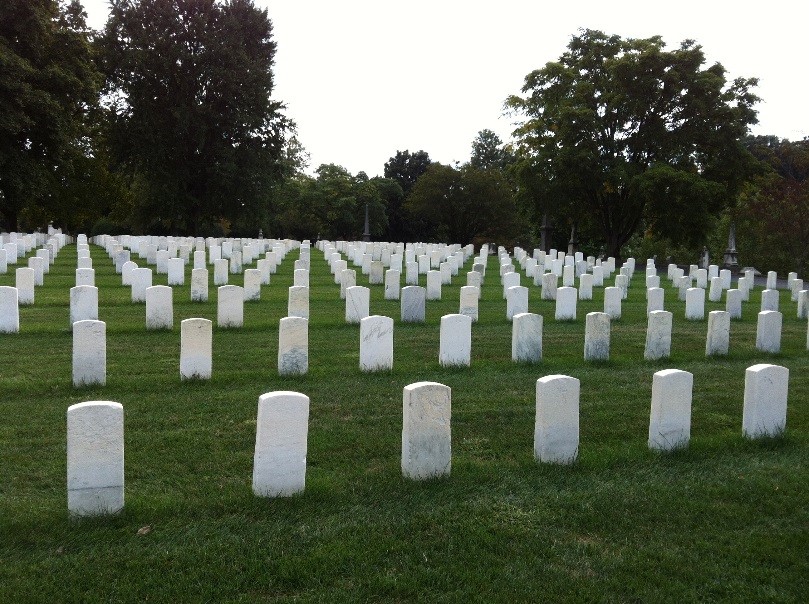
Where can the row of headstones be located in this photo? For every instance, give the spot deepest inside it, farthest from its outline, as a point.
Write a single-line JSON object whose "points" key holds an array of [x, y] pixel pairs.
{"points": [[84, 301], [516, 296], [570, 267], [160, 251], [439, 264], [562, 265], [15, 246], [395, 255], [27, 279], [159, 305], [376, 351], [693, 296], [89, 360], [230, 300], [138, 277], [95, 432], [655, 299], [694, 301], [159, 315]]}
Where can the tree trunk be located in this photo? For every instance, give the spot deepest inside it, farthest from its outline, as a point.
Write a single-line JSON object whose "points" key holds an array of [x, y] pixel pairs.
{"points": [[614, 246]]}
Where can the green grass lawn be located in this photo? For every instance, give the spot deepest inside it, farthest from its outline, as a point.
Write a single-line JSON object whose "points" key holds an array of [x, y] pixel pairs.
{"points": [[725, 520]]}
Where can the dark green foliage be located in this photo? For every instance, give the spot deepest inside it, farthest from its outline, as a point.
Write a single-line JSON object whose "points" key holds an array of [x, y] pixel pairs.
{"points": [[332, 204], [624, 134], [405, 168], [463, 204], [48, 84], [489, 152], [192, 119], [773, 212]]}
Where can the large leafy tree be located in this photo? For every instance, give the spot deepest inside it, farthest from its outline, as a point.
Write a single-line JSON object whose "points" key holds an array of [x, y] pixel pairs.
{"points": [[193, 121], [489, 152], [48, 84], [625, 134], [331, 205], [464, 205], [405, 168], [774, 209]]}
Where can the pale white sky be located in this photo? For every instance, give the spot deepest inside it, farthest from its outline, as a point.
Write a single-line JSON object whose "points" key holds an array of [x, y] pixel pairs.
{"points": [[365, 78]]}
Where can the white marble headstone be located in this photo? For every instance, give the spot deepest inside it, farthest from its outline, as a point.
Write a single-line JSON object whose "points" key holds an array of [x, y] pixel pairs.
{"points": [[413, 304], [526, 338], [279, 461], [220, 272], [566, 304], [433, 285], [141, 279], [717, 342], [199, 285], [348, 278], [670, 417], [549, 286], [24, 282], [695, 304], [376, 343], [556, 428], [95, 458], [658, 335], [597, 337], [426, 434], [358, 301], [89, 353], [252, 284], [230, 306], [298, 302], [516, 301], [196, 349], [469, 301], [83, 303], [765, 400], [293, 346], [9, 310], [769, 299], [392, 286], [455, 347], [768, 331], [159, 307], [586, 287], [176, 271]]}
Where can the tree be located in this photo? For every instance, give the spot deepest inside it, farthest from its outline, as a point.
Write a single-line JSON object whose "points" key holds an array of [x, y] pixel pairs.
{"points": [[464, 205], [774, 209], [627, 134], [48, 84], [489, 152], [405, 168], [189, 86], [332, 205], [390, 196]]}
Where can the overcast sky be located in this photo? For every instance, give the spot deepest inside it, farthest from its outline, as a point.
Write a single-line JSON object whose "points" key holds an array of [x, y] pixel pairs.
{"points": [[365, 78]]}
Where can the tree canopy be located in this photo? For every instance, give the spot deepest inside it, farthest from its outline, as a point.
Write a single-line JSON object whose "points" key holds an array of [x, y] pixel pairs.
{"points": [[331, 205], [489, 152], [48, 85], [774, 208], [405, 168], [192, 120], [624, 134], [463, 205]]}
